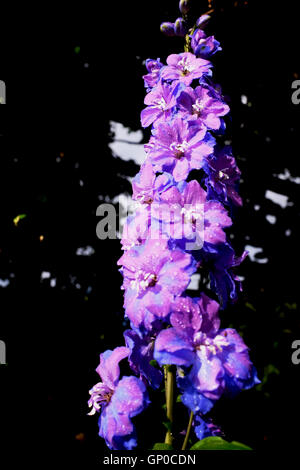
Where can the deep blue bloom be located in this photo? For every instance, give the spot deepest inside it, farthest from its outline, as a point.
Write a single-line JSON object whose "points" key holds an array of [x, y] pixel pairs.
{"points": [[205, 427], [141, 354], [223, 176]]}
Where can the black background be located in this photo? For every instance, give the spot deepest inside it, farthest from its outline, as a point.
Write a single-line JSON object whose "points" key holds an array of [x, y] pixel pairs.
{"points": [[55, 132]]}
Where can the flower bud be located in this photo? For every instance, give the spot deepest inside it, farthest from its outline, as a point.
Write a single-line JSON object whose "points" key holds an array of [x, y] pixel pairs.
{"points": [[202, 21], [180, 27], [167, 28], [184, 6]]}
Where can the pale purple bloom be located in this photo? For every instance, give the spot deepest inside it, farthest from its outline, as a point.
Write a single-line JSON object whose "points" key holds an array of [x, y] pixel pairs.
{"points": [[185, 67], [153, 275], [160, 101], [152, 77], [188, 215], [223, 177], [201, 106], [177, 148], [143, 184], [136, 229], [219, 359], [146, 185], [117, 401]]}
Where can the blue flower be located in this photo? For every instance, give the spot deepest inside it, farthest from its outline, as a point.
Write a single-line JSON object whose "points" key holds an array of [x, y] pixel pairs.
{"points": [[205, 427], [213, 360], [117, 401], [141, 355]]}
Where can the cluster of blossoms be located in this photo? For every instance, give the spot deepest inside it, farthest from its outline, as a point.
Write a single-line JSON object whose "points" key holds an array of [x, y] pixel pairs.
{"points": [[178, 228]]}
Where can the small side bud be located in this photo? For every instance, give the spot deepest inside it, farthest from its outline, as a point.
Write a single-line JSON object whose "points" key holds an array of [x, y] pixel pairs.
{"points": [[167, 28], [184, 6], [202, 21], [180, 27]]}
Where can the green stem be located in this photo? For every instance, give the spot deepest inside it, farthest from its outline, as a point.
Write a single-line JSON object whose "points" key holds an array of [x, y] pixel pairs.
{"points": [[186, 439], [169, 378]]}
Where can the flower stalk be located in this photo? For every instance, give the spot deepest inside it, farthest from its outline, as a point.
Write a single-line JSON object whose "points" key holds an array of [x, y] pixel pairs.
{"points": [[188, 431], [169, 377]]}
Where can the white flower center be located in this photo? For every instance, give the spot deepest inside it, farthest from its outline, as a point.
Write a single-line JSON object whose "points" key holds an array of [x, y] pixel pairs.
{"points": [[198, 106], [179, 149], [161, 104], [143, 281], [223, 176], [185, 66], [100, 395], [191, 215], [209, 345]]}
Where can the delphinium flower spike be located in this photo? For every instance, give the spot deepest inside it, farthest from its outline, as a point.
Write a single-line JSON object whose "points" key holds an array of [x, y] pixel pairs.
{"points": [[179, 227]]}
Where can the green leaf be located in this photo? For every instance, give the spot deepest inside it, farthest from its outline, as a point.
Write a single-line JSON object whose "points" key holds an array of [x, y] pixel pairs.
{"points": [[250, 306], [154, 363], [19, 217], [217, 443], [162, 446]]}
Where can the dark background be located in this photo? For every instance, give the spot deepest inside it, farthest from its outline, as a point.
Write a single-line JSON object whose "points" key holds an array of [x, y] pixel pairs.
{"points": [[55, 133]]}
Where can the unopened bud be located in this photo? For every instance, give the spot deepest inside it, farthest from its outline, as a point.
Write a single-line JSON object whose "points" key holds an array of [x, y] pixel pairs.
{"points": [[184, 6], [202, 21], [167, 28], [180, 27]]}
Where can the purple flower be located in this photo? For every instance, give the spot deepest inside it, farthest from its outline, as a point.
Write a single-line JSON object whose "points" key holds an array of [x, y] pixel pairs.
{"points": [[117, 401], [161, 100], [185, 67], [222, 261], [223, 177], [201, 106], [153, 276], [141, 355], [204, 46], [154, 68], [218, 359], [143, 184], [188, 215], [177, 148], [136, 229], [146, 186]]}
